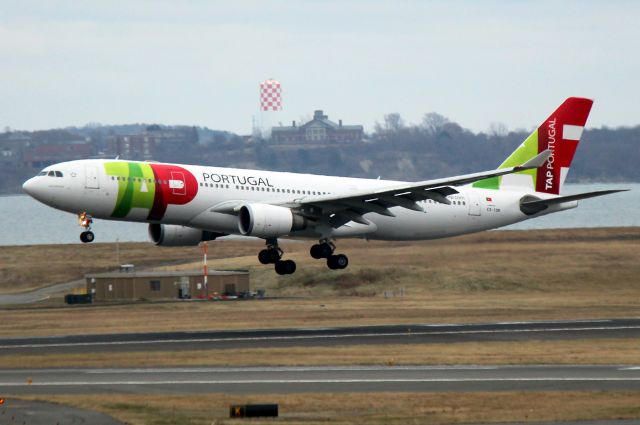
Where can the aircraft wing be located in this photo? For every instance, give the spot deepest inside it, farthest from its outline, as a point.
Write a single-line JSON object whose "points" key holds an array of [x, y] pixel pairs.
{"points": [[342, 208]]}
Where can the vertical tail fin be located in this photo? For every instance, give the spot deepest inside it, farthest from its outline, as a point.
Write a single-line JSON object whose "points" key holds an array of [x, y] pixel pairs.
{"points": [[560, 133]]}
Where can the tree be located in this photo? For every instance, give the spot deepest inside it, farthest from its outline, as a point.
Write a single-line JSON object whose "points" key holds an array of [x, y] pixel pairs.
{"points": [[393, 122], [498, 129], [434, 122]]}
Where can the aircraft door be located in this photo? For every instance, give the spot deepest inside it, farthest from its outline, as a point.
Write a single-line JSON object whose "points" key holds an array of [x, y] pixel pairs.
{"points": [[474, 203], [91, 175]]}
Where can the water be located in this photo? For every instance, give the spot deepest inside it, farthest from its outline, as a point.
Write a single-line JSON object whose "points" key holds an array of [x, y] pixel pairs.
{"points": [[26, 221]]}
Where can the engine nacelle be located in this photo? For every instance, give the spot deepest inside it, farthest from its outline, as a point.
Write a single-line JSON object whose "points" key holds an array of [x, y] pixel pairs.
{"points": [[173, 235], [268, 221]]}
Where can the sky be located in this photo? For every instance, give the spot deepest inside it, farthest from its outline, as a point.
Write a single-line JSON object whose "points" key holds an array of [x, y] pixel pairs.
{"points": [[70, 63]]}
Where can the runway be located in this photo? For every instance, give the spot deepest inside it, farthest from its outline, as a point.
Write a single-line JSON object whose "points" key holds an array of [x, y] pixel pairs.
{"points": [[368, 335], [276, 380]]}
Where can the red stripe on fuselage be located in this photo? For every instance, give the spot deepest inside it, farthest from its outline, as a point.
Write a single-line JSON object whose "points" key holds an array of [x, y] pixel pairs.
{"points": [[169, 191]]}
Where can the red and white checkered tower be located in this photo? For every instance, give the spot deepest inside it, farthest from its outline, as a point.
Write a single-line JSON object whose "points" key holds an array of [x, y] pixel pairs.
{"points": [[270, 105]]}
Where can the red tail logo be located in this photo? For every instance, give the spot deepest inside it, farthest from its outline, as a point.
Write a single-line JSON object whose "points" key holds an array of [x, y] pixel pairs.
{"points": [[560, 133]]}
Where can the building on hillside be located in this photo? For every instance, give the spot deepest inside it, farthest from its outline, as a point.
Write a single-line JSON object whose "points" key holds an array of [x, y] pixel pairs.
{"points": [[319, 130], [152, 141], [134, 147], [42, 155], [11, 151], [131, 285], [175, 135]]}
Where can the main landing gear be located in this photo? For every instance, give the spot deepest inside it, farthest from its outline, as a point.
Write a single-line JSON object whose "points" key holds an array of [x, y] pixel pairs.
{"points": [[273, 254], [85, 220], [325, 249]]}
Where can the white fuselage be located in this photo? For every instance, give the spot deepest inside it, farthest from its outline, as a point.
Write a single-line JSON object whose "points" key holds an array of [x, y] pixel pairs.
{"points": [[98, 189]]}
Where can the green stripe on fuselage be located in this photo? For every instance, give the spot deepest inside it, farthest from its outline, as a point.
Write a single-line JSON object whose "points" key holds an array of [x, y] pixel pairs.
{"points": [[136, 186]]}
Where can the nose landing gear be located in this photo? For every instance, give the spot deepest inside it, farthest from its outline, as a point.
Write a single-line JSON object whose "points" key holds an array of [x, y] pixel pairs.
{"points": [[85, 220], [325, 249], [272, 254]]}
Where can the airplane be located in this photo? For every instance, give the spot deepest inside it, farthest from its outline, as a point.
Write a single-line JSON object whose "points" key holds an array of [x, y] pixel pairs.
{"points": [[188, 204]]}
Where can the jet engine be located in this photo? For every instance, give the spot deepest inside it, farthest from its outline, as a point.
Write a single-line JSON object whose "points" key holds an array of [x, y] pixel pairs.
{"points": [[268, 221], [174, 235]]}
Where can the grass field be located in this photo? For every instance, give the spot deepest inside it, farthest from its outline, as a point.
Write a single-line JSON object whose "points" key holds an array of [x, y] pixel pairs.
{"points": [[366, 408], [493, 276], [499, 260]]}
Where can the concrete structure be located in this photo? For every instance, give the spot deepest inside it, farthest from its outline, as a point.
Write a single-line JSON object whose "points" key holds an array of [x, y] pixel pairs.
{"points": [[132, 285], [319, 130]]}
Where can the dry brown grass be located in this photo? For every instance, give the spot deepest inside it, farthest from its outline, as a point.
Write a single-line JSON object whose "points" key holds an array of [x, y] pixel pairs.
{"points": [[492, 276], [369, 408], [27, 267], [606, 351], [439, 308]]}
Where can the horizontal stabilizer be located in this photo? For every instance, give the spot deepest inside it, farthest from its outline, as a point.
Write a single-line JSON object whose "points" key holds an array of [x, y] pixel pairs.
{"points": [[534, 205], [537, 161]]}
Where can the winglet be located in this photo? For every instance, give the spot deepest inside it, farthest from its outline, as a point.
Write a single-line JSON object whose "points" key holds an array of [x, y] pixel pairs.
{"points": [[537, 161]]}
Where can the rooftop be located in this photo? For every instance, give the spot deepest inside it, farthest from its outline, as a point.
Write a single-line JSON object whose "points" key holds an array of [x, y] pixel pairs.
{"points": [[125, 274]]}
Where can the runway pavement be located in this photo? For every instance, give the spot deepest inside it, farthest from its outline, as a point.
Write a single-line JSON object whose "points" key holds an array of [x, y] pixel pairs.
{"points": [[274, 380], [31, 412], [391, 334]]}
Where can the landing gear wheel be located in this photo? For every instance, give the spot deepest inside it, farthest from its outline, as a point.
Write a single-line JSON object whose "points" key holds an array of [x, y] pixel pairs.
{"points": [[321, 250], [264, 256], [336, 262], [285, 267], [87, 236], [269, 256], [274, 255]]}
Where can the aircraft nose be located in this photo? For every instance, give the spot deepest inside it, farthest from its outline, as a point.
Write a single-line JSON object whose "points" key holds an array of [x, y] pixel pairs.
{"points": [[34, 188], [28, 187]]}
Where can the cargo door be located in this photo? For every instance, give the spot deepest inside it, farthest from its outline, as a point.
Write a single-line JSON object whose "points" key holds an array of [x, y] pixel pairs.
{"points": [[91, 174]]}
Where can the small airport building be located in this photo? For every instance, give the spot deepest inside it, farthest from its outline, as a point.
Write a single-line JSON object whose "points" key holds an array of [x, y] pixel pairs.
{"points": [[130, 285]]}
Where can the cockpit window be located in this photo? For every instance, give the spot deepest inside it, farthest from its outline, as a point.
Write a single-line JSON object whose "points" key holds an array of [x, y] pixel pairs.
{"points": [[51, 174], [42, 173], [58, 173]]}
